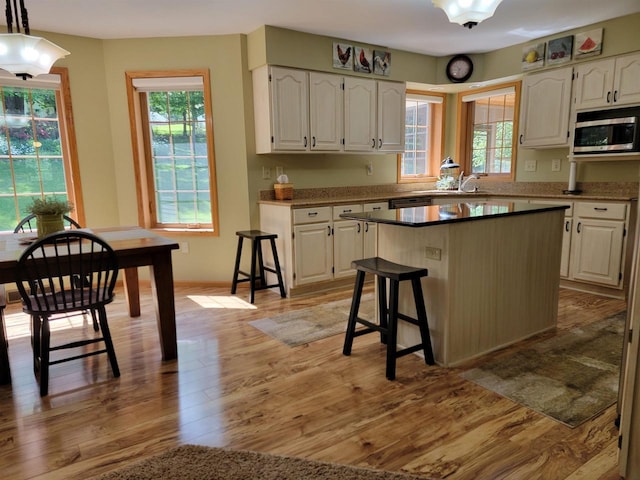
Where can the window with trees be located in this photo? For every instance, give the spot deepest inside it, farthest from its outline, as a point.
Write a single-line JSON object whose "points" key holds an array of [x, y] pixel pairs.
{"points": [[488, 122], [172, 132], [424, 132], [37, 145]]}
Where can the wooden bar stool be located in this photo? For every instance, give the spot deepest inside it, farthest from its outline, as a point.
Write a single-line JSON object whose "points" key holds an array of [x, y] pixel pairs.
{"points": [[389, 316], [256, 237]]}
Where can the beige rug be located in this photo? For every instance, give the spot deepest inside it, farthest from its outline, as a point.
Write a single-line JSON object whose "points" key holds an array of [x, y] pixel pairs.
{"points": [[193, 462], [570, 378], [313, 323]]}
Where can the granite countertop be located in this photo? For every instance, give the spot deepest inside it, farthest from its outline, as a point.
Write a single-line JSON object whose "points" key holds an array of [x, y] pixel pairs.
{"points": [[454, 212], [313, 197]]}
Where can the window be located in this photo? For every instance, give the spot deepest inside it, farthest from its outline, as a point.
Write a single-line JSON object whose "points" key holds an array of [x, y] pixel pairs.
{"points": [[423, 137], [37, 145], [173, 149], [488, 121]]}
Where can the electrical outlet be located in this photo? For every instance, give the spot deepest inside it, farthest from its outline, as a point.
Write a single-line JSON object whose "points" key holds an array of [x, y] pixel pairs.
{"points": [[266, 173], [555, 165], [530, 165], [184, 247], [433, 253], [279, 171]]}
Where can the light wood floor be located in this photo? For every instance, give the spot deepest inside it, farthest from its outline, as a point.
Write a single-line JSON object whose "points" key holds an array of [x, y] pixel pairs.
{"points": [[235, 387]]}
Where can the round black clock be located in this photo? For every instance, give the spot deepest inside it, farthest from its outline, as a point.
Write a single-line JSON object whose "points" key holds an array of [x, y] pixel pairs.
{"points": [[459, 68]]}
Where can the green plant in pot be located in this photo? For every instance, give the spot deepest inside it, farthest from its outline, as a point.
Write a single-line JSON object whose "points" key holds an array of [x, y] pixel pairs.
{"points": [[49, 212]]}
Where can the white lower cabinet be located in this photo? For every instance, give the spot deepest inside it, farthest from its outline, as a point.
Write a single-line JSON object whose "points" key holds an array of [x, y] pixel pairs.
{"points": [[312, 245], [598, 243], [347, 240]]}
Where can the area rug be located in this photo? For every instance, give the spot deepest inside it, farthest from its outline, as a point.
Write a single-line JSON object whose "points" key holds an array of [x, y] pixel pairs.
{"points": [[571, 377], [310, 324], [194, 462]]}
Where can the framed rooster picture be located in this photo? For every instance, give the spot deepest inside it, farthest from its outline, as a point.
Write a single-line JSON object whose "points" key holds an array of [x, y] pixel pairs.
{"points": [[342, 56], [362, 60], [381, 62]]}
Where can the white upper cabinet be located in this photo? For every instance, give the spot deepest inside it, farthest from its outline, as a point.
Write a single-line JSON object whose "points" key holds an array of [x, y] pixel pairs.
{"points": [[359, 114], [607, 83], [545, 108], [325, 111], [391, 116]]}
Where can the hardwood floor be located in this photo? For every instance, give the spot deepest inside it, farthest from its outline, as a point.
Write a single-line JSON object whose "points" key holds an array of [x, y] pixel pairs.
{"points": [[233, 386]]}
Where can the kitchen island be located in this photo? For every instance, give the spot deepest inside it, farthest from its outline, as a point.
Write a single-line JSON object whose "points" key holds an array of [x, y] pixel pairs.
{"points": [[493, 271]]}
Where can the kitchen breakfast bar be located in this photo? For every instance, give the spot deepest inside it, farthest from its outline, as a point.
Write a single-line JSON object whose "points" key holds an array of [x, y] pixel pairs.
{"points": [[494, 271]]}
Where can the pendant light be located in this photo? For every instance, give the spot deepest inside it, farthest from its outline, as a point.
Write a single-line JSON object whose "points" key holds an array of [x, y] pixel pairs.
{"points": [[22, 54], [467, 13]]}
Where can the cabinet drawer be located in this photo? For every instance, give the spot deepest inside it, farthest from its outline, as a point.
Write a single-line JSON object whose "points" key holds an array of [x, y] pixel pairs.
{"points": [[611, 211], [311, 215], [375, 207], [339, 210]]}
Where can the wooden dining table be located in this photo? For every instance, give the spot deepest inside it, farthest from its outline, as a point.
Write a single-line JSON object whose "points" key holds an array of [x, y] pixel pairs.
{"points": [[134, 247]]}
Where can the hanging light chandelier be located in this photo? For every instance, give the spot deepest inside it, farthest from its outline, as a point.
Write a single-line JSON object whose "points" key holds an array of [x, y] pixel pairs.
{"points": [[24, 55], [467, 13]]}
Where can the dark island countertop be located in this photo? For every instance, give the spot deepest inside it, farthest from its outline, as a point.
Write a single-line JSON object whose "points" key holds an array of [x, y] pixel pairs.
{"points": [[453, 212]]}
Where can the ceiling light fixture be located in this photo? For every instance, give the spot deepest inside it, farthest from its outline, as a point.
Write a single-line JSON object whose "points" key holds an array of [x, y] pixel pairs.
{"points": [[24, 55], [467, 13]]}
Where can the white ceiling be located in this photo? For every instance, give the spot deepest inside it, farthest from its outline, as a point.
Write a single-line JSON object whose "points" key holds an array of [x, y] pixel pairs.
{"points": [[412, 25]]}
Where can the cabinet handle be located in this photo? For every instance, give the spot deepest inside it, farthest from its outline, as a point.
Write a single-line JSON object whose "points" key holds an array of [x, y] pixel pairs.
{"points": [[305, 141], [600, 209], [608, 97], [578, 227], [329, 230], [379, 143], [313, 141], [373, 143], [366, 227], [312, 214], [348, 210], [377, 208], [358, 228], [615, 96], [521, 138], [566, 225]]}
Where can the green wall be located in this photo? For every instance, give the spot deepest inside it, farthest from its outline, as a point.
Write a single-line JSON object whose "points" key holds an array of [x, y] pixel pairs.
{"points": [[97, 76]]}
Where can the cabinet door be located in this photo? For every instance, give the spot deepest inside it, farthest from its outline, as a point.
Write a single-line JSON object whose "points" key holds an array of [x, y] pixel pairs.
{"points": [[359, 114], [566, 247], [546, 102], [594, 82], [347, 246], [626, 80], [326, 111], [313, 251], [391, 116], [597, 251], [290, 111], [370, 243]]}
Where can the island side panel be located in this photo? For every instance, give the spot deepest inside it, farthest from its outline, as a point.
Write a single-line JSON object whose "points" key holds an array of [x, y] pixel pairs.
{"points": [[496, 282]]}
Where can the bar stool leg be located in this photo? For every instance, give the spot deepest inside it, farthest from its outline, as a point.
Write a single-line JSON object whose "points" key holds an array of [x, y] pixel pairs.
{"points": [[236, 270], [252, 273], [263, 279], [392, 330], [383, 308], [276, 262], [353, 314], [422, 321]]}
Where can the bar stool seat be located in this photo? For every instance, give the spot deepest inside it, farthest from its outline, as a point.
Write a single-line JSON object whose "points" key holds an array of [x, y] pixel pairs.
{"points": [[388, 312], [256, 237]]}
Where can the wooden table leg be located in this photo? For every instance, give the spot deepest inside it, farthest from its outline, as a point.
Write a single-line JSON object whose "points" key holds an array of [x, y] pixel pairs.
{"points": [[162, 286], [132, 291], [5, 371]]}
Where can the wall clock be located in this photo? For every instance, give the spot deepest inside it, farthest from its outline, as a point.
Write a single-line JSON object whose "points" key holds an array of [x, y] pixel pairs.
{"points": [[459, 68]]}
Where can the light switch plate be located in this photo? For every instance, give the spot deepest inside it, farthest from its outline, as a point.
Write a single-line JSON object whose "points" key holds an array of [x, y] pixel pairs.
{"points": [[555, 165], [433, 253], [530, 165]]}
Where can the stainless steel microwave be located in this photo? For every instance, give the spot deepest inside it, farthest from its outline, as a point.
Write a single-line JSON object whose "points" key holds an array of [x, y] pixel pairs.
{"points": [[609, 131]]}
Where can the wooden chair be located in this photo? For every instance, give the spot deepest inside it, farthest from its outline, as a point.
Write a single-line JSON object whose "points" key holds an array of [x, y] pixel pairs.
{"points": [[5, 372], [28, 224], [50, 264]]}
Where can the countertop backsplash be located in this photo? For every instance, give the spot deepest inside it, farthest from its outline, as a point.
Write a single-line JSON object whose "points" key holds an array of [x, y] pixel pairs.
{"points": [[622, 191]]}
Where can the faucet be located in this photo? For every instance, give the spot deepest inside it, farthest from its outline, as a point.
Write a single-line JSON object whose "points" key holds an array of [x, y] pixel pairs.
{"points": [[463, 181]]}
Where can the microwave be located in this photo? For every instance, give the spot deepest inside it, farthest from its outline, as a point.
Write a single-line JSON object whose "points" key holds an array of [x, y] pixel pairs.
{"points": [[609, 131]]}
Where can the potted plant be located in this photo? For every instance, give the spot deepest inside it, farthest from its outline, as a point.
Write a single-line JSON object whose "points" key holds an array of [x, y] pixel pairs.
{"points": [[49, 212]]}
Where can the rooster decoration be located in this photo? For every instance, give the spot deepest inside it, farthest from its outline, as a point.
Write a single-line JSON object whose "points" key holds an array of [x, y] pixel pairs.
{"points": [[381, 62], [343, 56], [362, 63]]}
